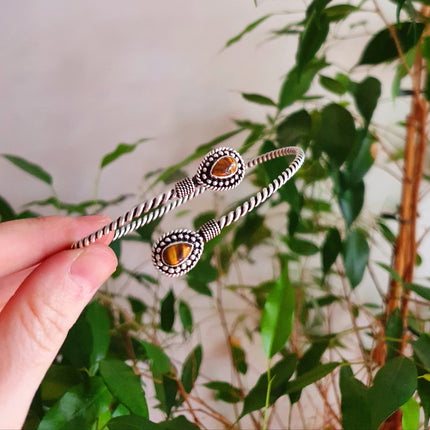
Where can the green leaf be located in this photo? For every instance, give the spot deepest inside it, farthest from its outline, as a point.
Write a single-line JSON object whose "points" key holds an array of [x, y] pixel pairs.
{"points": [[98, 320], [225, 391], [186, 316], [202, 218], [316, 205], [199, 286], [332, 85], [316, 6], [394, 384], [408, 6], [362, 161], [121, 149], [278, 315], [355, 256], [351, 202], [425, 48], [251, 232], [116, 248], [331, 248], [301, 246], [80, 334], [312, 171], [294, 129], [202, 274], [355, 402], [144, 234], [382, 48], [337, 134], [79, 408], [124, 385], [259, 99], [137, 306], [31, 168], [393, 333], [239, 357], [424, 393], [247, 29], [167, 312], [253, 137], [387, 233], [94, 206], [366, 95], [166, 389], [57, 381], [191, 368], [421, 348], [178, 423], [160, 361], [132, 422], [340, 12], [310, 359], [297, 84], [313, 36], [6, 211], [393, 273], [423, 292], [310, 377], [411, 415], [200, 152], [322, 301], [280, 373], [402, 71]]}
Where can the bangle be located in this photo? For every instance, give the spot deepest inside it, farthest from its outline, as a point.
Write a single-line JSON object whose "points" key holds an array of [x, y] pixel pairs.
{"points": [[177, 252]]}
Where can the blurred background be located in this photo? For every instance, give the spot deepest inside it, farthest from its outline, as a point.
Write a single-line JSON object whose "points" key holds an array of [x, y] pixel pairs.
{"points": [[79, 77]]}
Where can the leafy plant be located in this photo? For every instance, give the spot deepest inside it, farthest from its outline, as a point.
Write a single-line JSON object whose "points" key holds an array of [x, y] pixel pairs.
{"points": [[320, 257]]}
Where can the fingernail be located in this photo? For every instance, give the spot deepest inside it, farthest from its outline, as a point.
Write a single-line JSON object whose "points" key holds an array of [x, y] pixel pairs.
{"points": [[91, 268]]}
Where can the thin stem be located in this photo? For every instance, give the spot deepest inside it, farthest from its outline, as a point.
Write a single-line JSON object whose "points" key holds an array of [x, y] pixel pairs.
{"points": [[185, 395], [393, 34], [269, 387], [214, 413], [376, 282], [354, 323]]}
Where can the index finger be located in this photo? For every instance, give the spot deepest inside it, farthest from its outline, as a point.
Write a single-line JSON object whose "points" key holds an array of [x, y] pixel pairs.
{"points": [[24, 243]]}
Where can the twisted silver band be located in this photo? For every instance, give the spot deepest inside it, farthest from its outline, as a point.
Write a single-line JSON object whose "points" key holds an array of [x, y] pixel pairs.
{"points": [[122, 224], [177, 252], [266, 192]]}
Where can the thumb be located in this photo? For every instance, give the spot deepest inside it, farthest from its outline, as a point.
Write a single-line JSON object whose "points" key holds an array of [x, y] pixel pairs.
{"points": [[35, 322]]}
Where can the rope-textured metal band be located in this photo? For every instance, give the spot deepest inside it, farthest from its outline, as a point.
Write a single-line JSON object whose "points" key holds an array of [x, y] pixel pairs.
{"points": [[177, 252]]}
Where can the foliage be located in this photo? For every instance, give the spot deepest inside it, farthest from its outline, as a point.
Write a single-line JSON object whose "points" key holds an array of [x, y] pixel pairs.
{"points": [[127, 344]]}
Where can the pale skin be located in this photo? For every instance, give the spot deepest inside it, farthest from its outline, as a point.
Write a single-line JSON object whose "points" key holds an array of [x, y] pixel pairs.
{"points": [[44, 286]]}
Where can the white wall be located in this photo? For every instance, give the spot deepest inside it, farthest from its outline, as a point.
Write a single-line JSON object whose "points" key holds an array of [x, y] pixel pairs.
{"points": [[78, 77]]}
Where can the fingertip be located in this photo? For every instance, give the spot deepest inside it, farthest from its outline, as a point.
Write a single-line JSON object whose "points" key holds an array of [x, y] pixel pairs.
{"points": [[92, 266]]}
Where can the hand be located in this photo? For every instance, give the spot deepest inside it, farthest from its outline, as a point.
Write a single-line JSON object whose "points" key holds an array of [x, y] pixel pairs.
{"points": [[44, 286]]}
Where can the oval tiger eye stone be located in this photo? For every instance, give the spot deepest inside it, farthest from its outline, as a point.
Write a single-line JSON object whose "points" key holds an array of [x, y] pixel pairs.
{"points": [[176, 253], [225, 166]]}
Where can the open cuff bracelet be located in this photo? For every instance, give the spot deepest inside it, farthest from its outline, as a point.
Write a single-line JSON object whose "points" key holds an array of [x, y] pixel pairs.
{"points": [[177, 252]]}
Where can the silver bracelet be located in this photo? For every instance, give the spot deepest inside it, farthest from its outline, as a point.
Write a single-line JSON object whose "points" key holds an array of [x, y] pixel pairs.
{"points": [[177, 252]]}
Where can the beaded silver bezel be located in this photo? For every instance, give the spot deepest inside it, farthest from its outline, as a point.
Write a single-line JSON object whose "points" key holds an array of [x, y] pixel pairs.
{"points": [[173, 237], [204, 174]]}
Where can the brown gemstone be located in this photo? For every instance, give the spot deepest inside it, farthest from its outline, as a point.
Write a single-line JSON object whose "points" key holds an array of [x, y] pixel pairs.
{"points": [[224, 167], [176, 253]]}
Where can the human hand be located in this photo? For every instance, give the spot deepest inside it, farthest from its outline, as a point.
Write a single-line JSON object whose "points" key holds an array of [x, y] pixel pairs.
{"points": [[43, 288]]}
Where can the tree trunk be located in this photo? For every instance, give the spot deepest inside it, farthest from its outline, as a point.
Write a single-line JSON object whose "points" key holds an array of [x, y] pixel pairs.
{"points": [[405, 250]]}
